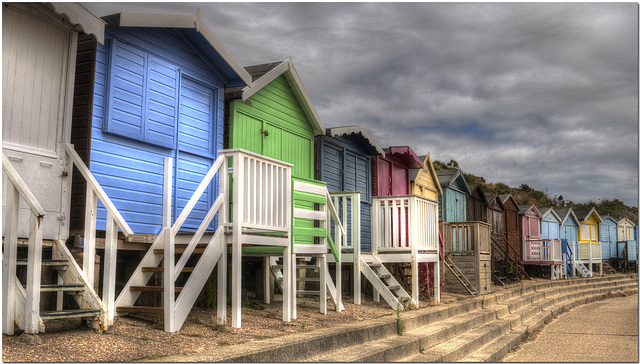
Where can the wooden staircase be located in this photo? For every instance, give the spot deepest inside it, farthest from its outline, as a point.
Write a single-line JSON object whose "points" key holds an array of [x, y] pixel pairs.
{"points": [[608, 269], [383, 281], [460, 276], [580, 267], [70, 282], [275, 267], [504, 268]]}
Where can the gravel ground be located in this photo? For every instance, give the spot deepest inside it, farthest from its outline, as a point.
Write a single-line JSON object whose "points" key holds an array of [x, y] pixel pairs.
{"points": [[141, 336]]}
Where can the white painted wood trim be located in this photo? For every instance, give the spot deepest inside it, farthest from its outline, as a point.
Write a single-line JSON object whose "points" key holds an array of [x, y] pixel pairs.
{"points": [[89, 252], [265, 241], [309, 188], [110, 260], [34, 268], [309, 214], [82, 18], [236, 257], [9, 260], [168, 277]]}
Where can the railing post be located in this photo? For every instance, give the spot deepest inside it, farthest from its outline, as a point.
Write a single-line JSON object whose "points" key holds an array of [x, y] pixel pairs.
{"points": [[9, 260], [223, 218], [355, 242], [413, 243], [89, 252], [236, 251], [34, 268], [109, 281], [169, 256]]}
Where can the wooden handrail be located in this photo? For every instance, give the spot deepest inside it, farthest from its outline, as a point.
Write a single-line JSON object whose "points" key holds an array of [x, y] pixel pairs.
{"points": [[21, 186], [97, 189]]}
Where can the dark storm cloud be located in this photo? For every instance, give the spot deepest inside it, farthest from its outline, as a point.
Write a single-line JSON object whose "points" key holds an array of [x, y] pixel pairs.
{"points": [[544, 94]]}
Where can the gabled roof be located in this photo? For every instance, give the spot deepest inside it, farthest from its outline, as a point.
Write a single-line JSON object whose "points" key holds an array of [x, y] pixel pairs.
{"points": [[526, 208], [407, 155], [623, 219], [263, 74], [195, 30], [564, 215], [610, 218], [506, 197], [81, 18], [428, 167], [550, 211], [477, 187], [497, 199], [448, 177], [584, 215], [358, 132]]}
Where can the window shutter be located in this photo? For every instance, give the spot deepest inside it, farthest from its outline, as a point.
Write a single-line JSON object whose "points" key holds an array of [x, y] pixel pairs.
{"points": [[125, 111], [162, 101]]}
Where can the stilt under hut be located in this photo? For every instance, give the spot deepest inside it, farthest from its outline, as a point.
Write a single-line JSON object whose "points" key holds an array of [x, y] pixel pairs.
{"points": [[404, 227], [569, 237], [625, 256], [274, 118], [40, 43], [588, 251], [467, 243], [424, 183], [608, 237], [344, 163]]}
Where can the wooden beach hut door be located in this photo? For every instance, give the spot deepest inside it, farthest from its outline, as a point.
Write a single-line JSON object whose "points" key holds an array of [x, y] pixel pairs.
{"points": [[195, 150], [393, 180], [35, 115]]}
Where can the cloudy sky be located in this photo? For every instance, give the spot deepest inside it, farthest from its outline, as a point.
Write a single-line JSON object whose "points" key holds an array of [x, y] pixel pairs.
{"points": [[544, 94]]}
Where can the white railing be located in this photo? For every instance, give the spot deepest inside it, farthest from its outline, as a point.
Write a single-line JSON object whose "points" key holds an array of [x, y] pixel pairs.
{"points": [[404, 223], [261, 202], [589, 251], [350, 203], [532, 249], [551, 249], [31, 311], [114, 221], [596, 250], [264, 181]]}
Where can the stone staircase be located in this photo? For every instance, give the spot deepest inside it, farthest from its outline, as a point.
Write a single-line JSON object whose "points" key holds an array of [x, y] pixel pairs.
{"points": [[476, 329]]}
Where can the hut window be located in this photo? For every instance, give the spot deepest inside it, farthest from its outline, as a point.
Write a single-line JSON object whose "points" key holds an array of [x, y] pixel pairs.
{"points": [[142, 96]]}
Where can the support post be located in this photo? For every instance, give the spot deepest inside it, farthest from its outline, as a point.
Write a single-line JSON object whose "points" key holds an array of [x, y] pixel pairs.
{"points": [[436, 281], [266, 273], [236, 254], [223, 218], [89, 252], [9, 260], [109, 281], [169, 256], [34, 268], [355, 226], [323, 283], [413, 240]]}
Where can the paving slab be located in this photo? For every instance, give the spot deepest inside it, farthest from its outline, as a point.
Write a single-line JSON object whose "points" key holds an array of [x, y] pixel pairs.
{"points": [[602, 331]]}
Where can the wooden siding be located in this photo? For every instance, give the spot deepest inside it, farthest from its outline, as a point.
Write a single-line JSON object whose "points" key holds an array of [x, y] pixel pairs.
{"points": [[453, 205], [130, 167], [512, 228], [478, 274], [275, 109], [81, 123], [38, 61], [476, 207], [608, 237], [392, 176], [550, 227], [345, 166], [425, 185]]}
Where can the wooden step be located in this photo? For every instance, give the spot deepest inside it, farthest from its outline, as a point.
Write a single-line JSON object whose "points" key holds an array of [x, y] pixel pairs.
{"points": [[140, 309], [60, 288], [384, 275], [180, 250], [152, 288], [55, 264], [394, 287], [65, 314], [280, 266], [161, 269], [308, 293]]}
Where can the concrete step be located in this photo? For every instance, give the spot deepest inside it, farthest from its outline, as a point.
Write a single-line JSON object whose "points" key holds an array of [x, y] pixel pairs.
{"points": [[500, 347], [493, 315]]}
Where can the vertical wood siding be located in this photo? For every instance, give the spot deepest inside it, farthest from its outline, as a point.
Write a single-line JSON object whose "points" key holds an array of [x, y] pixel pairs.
{"points": [[274, 108], [345, 167], [607, 235], [167, 113], [81, 123]]}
